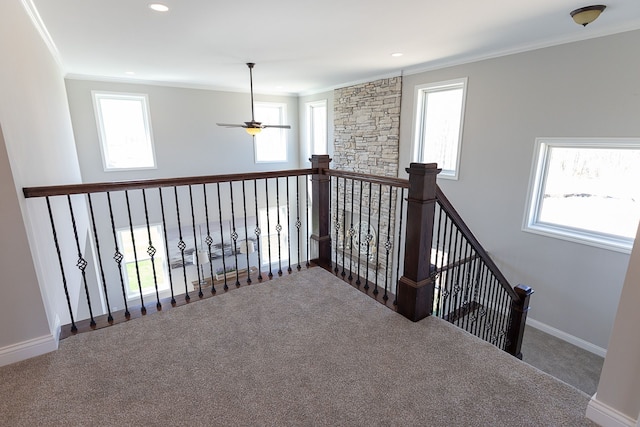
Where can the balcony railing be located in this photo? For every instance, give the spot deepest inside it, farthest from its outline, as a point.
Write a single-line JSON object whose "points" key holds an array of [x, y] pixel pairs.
{"points": [[127, 248]]}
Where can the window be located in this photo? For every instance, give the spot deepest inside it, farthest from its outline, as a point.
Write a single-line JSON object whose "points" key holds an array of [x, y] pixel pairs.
{"points": [[145, 267], [271, 143], [439, 118], [317, 127], [586, 191], [124, 129], [269, 235]]}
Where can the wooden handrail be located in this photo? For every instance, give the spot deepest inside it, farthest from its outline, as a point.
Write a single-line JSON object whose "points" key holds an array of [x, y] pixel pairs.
{"points": [[375, 179], [459, 222], [61, 190]]}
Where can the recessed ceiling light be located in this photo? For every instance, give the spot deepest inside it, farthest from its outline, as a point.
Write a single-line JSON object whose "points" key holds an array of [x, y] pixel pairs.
{"points": [[158, 7], [396, 54], [130, 73]]}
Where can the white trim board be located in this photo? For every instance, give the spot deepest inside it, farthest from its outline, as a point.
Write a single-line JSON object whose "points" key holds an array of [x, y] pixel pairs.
{"points": [[27, 349], [606, 416], [578, 342]]}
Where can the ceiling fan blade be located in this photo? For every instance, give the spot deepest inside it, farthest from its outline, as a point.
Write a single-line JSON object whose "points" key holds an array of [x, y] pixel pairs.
{"points": [[228, 125], [277, 126]]}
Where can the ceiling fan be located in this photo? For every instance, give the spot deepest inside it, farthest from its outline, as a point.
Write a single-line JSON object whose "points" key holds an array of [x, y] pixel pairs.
{"points": [[253, 128]]}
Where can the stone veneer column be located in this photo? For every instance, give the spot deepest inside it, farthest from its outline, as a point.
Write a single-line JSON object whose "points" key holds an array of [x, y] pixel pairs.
{"points": [[366, 132], [367, 127]]}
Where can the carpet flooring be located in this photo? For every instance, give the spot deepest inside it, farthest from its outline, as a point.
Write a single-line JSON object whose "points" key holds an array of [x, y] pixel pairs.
{"points": [[301, 350], [563, 360]]}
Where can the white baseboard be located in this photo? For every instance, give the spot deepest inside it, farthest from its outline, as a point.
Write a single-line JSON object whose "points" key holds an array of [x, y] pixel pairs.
{"points": [[578, 342], [606, 416], [27, 349]]}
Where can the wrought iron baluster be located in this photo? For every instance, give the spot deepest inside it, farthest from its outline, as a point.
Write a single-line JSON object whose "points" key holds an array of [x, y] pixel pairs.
{"points": [[298, 223], [344, 225], [166, 244], [308, 180], [257, 230], [490, 309], [208, 239], [102, 277], [506, 305], [74, 328], [151, 251], [234, 235], [457, 288], [278, 226], [481, 300], [388, 245], [224, 262], [375, 286], [466, 285], [143, 309], [246, 232], [450, 270], [288, 227], [496, 311], [118, 257], [195, 257], [437, 261], [182, 246], [336, 224], [81, 263], [400, 243], [358, 282], [351, 232], [369, 237], [266, 189]]}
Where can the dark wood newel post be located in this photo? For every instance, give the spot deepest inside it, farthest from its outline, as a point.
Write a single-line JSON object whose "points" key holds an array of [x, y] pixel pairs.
{"points": [[320, 224], [416, 287], [519, 309]]}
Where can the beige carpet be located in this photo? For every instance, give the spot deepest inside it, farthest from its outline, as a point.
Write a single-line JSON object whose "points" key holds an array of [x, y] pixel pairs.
{"points": [[303, 350]]}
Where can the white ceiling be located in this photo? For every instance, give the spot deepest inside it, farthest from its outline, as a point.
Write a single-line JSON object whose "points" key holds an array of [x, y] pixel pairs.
{"points": [[303, 46]]}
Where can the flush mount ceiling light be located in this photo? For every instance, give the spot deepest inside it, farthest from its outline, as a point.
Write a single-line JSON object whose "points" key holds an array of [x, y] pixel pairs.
{"points": [[158, 7], [586, 15]]}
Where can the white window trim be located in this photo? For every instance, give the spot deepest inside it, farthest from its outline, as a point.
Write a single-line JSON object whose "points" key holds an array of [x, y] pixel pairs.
{"points": [[95, 94], [418, 106], [536, 184], [283, 132], [309, 129]]}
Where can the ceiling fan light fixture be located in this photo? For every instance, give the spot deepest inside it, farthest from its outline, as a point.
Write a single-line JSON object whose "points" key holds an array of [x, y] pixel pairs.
{"points": [[586, 15], [253, 131]]}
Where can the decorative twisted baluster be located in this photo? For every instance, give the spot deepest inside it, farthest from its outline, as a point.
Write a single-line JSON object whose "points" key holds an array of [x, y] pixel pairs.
{"points": [[102, 277], [181, 246], [234, 234], [166, 243], [118, 257], [81, 263], [74, 328], [224, 263], [151, 250]]}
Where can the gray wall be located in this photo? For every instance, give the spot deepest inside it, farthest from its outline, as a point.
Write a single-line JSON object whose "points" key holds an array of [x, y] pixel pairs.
{"points": [[187, 140], [584, 89], [619, 386], [37, 149], [304, 148]]}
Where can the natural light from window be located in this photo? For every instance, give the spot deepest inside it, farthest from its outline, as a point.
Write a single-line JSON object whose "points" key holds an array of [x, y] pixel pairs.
{"points": [[271, 143], [439, 120], [145, 266], [124, 130], [317, 127], [586, 190]]}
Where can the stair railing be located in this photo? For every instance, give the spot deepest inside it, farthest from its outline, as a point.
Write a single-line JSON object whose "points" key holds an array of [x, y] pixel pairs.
{"points": [[442, 270]]}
